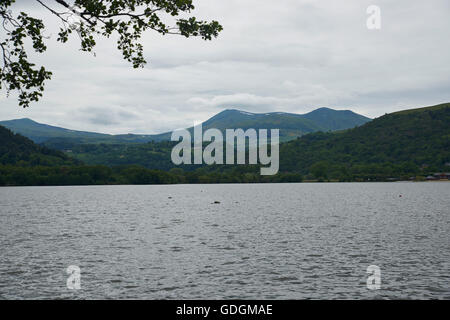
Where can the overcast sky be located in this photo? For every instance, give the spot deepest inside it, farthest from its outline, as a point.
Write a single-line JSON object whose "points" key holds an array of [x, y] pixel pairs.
{"points": [[284, 55]]}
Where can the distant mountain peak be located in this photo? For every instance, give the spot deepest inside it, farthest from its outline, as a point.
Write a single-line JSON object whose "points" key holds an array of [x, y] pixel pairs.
{"points": [[327, 109], [233, 110], [24, 120]]}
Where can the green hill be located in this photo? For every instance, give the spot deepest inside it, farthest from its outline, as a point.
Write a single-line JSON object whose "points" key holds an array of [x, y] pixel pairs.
{"points": [[332, 120], [408, 142], [39, 133], [18, 150]]}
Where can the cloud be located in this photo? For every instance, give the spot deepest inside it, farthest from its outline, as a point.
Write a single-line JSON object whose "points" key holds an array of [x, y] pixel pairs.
{"points": [[294, 56]]}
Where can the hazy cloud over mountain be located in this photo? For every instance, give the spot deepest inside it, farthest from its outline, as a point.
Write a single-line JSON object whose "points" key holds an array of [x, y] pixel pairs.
{"points": [[286, 55]]}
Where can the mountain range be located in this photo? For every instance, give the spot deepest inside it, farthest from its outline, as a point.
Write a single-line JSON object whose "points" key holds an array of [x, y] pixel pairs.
{"points": [[397, 146], [412, 138], [291, 126]]}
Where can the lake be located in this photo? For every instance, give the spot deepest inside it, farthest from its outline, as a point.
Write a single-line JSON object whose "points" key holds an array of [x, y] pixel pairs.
{"points": [[262, 241]]}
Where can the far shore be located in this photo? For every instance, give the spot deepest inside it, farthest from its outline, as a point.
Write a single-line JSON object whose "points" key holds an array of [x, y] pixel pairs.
{"points": [[243, 183]]}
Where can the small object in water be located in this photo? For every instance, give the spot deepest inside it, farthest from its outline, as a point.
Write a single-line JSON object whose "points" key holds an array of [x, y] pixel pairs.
{"points": [[216, 202], [170, 197], [400, 196]]}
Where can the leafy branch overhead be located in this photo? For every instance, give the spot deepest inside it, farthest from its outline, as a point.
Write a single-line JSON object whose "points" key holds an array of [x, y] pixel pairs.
{"points": [[126, 19]]}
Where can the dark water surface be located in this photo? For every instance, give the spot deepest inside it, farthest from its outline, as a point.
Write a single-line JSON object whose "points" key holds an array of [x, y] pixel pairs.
{"points": [[271, 241]]}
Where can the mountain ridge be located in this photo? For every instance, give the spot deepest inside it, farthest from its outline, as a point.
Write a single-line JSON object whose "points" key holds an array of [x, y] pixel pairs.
{"points": [[291, 125]]}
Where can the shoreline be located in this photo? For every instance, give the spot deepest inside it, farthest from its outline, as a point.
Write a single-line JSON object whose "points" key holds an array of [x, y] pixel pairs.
{"points": [[230, 183]]}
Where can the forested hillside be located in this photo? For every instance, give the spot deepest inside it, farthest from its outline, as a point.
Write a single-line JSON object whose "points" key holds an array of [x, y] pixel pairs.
{"points": [[18, 150], [408, 142], [402, 145]]}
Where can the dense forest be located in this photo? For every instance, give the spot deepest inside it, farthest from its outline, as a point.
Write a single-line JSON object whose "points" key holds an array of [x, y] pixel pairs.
{"points": [[24, 163], [20, 151], [407, 143], [403, 145]]}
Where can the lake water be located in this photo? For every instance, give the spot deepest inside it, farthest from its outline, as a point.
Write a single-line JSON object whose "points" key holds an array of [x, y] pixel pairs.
{"points": [[271, 241]]}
